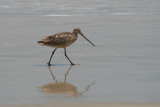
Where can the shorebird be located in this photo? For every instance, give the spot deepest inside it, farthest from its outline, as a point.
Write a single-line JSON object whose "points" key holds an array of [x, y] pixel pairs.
{"points": [[62, 40]]}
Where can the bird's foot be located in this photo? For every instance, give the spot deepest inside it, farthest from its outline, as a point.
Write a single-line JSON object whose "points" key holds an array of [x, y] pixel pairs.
{"points": [[73, 64], [49, 64]]}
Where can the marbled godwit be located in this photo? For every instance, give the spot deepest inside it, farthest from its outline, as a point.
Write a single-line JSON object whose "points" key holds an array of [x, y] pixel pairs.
{"points": [[62, 40]]}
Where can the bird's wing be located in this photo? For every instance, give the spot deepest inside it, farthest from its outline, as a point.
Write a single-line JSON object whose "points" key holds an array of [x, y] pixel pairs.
{"points": [[59, 38]]}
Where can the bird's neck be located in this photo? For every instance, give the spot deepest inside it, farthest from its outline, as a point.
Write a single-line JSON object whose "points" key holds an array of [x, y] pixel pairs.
{"points": [[75, 34]]}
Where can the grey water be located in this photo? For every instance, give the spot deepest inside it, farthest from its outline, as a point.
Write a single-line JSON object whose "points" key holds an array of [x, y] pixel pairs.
{"points": [[124, 66]]}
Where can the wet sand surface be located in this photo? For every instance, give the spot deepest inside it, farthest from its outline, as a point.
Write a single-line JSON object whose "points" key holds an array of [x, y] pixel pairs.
{"points": [[123, 67], [88, 104]]}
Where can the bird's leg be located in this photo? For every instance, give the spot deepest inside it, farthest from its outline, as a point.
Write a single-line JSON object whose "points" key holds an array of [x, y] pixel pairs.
{"points": [[51, 57], [67, 57]]}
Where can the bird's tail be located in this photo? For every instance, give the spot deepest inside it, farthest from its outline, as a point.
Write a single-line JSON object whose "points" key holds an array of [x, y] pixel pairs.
{"points": [[40, 41]]}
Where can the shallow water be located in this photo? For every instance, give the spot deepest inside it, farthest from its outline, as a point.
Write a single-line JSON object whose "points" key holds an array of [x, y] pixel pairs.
{"points": [[123, 67]]}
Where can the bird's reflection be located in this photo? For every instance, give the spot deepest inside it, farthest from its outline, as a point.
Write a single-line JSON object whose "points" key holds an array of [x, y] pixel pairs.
{"points": [[64, 88]]}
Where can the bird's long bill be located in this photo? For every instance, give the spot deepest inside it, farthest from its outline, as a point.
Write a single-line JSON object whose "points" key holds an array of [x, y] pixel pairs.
{"points": [[87, 39]]}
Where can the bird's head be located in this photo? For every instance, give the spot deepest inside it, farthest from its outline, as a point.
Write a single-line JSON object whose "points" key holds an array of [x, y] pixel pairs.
{"points": [[78, 31]]}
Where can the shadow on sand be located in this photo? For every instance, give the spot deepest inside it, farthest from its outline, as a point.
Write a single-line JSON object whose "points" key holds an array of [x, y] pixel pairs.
{"points": [[63, 88]]}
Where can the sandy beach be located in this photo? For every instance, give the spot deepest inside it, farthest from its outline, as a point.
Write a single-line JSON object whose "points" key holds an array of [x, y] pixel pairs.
{"points": [[88, 104], [122, 70]]}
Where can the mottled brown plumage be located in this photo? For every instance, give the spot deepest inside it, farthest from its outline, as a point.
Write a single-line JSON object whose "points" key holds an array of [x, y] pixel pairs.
{"points": [[62, 40], [59, 40]]}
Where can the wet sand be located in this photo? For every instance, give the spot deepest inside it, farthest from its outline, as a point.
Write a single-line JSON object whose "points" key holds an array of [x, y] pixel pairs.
{"points": [[88, 104], [124, 66]]}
